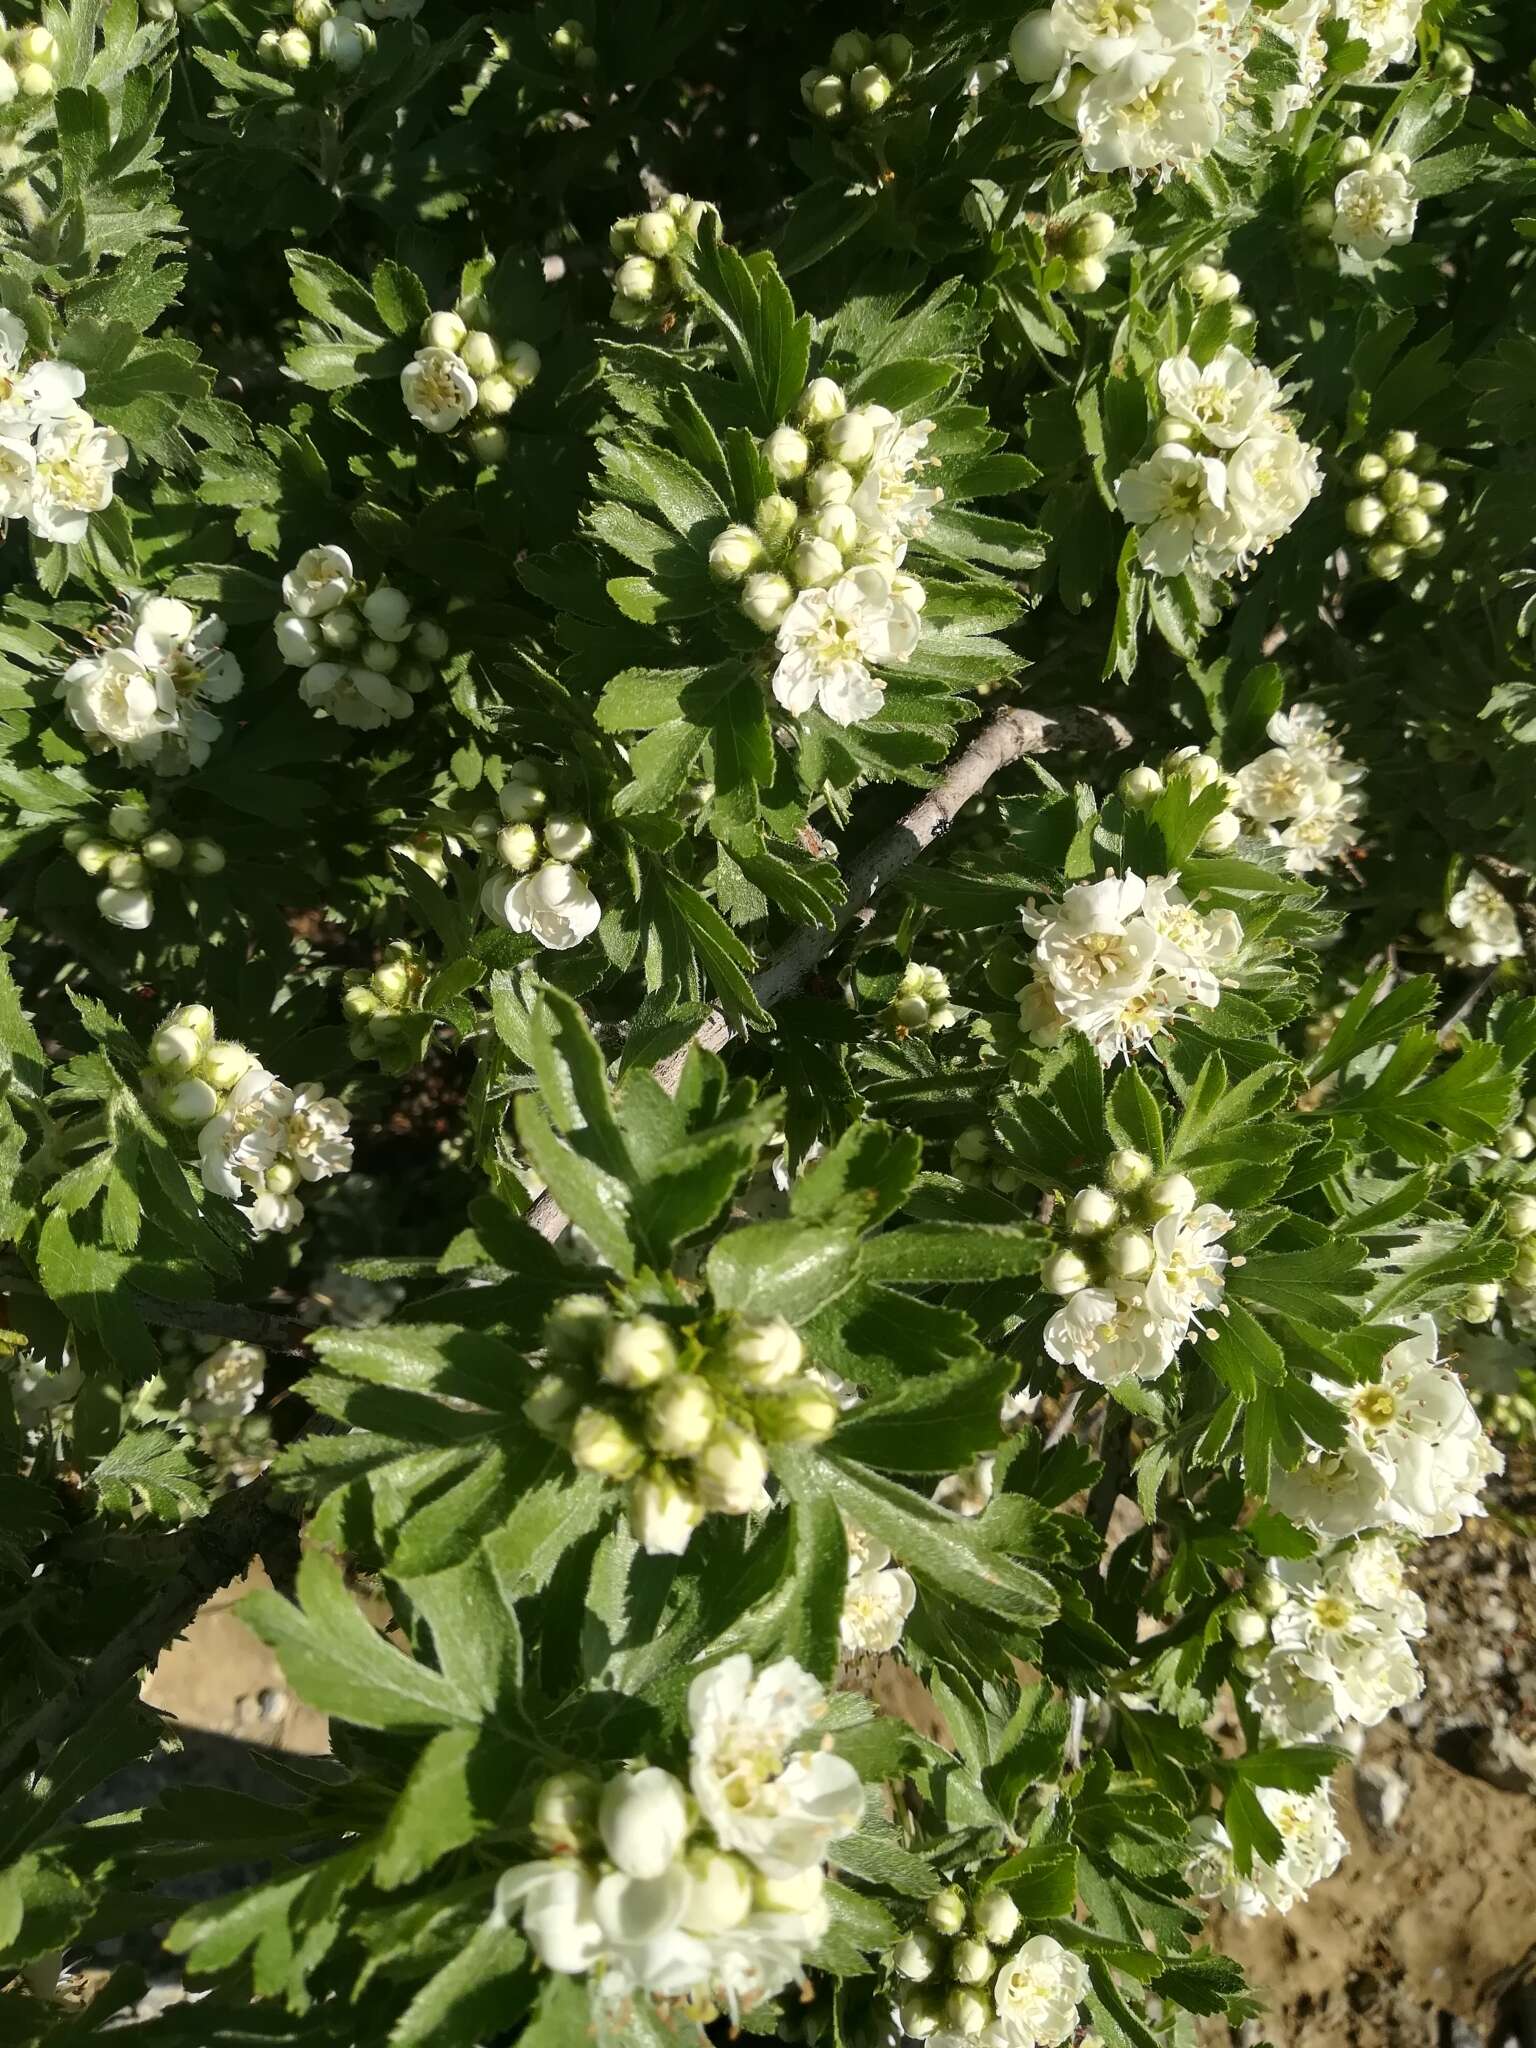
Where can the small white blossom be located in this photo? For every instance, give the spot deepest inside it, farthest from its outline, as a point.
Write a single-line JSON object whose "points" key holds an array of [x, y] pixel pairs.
{"points": [[831, 640], [1388, 28], [878, 1598], [1313, 1846], [75, 463], [438, 390], [553, 903], [227, 1384], [1374, 210], [354, 695], [320, 580], [1480, 926], [1037, 1992]]}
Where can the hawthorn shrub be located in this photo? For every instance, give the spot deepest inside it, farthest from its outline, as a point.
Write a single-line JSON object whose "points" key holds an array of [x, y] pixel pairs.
{"points": [[767, 848]]}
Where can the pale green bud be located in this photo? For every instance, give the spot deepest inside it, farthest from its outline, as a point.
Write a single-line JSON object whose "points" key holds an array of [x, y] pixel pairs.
{"points": [[129, 821], [566, 838], [850, 440], [190, 1102], [1085, 276], [1353, 150], [359, 1003], [1140, 787], [293, 49], [817, 563], [734, 553], [565, 1812], [126, 870], [971, 1962], [638, 1353], [871, 89], [722, 1892], [1365, 516], [205, 857], [945, 1911], [1064, 1273], [93, 855], [775, 519], [799, 1412], [635, 280], [916, 1956], [828, 484], [1091, 1212], [600, 1443], [764, 1351], [1090, 235], [517, 846], [968, 2011], [850, 51], [995, 1917], [787, 453], [438, 330], [656, 234], [822, 401], [1172, 1194], [1520, 1215], [1129, 1254], [174, 1049], [225, 1063], [1223, 831], [1246, 1627], [765, 599]]}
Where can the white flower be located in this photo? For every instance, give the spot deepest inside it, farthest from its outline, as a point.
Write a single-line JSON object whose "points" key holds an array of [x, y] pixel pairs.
{"points": [[49, 390], [1225, 399], [1312, 1849], [887, 500], [320, 580], [1337, 1493], [116, 698], [553, 903], [1374, 210], [131, 907], [76, 461], [556, 1903], [1341, 1643], [316, 1137], [1107, 1338], [18, 465], [1271, 480], [243, 1142], [1285, 784], [353, 695], [779, 1805], [1037, 1993], [1388, 28], [1154, 111], [1176, 497], [1188, 1275], [877, 1600], [662, 1513], [831, 639], [1481, 927], [438, 390], [643, 1820], [227, 1384]]}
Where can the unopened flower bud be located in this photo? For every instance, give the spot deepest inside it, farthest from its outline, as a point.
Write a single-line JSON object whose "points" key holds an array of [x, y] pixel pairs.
{"points": [[730, 1470], [850, 440], [765, 598], [392, 982], [1520, 1215], [1246, 1627], [294, 50], [799, 1412], [680, 1416], [1064, 1273], [1091, 1212], [916, 1956], [995, 1917], [787, 454], [129, 821], [93, 855], [225, 1063], [438, 330], [1199, 769], [488, 444], [1172, 1194], [1354, 149], [817, 562], [1130, 1255], [1035, 49], [663, 1512], [764, 1351], [1085, 276], [828, 484], [655, 234], [1140, 787], [190, 1102], [601, 1443], [565, 1812], [851, 49], [1517, 1144], [1387, 560], [945, 1911], [126, 870], [638, 1352], [971, 1962], [1365, 515], [359, 1003], [635, 280], [822, 401], [734, 553], [522, 796], [174, 1049], [566, 838], [921, 2014], [381, 656], [721, 1894], [517, 847], [968, 2011], [1223, 831], [894, 53], [837, 524], [341, 630], [1090, 235], [870, 89]]}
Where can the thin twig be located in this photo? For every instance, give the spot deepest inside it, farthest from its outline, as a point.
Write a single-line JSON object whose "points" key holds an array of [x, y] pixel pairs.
{"points": [[1009, 735], [219, 1548], [223, 1319]]}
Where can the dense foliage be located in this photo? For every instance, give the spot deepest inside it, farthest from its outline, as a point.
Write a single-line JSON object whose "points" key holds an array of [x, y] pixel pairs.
{"points": [[768, 963]]}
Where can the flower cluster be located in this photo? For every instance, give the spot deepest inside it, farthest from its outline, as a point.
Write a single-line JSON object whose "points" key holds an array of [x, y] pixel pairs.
{"points": [[821, 566], [146, 688], [57, 464], [364, 658], [1119, 959], [1331, 1639], [963, 1993], [878, 1598], [1397, 505], [1229, 475], [259, 1139], [860, 74], [1312, 1848], [1143, 785], [1388, 28], [921, 1002], [337, 30], [537, 887], [1415, 1456], [680, 1415], [1301, 795], [1476, 928], [1147, 85], [29, 57], [131, 859], [227, 1384], [376, 1001], [705, 1904], [655, 253], [1146, 1263], [462, 369]]}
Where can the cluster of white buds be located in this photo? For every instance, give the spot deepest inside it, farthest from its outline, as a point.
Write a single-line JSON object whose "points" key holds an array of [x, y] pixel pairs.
{"points": [[976, 1158], [132, 855], [1080, 240], [537, 886], [462, 371], [1140, 787], [191, 1070], [963, 1985], [259, 1140], [921, 1002], [338, 31], [363, 654], [679, 1414], [655, 254], [377, 1001], [1209, 285], [29, 58], [1398, 504], [1144, 1263], [820, 567], [569, 43], [859, 76]]}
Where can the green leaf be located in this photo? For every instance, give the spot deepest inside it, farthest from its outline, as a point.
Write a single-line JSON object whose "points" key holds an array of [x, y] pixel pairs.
{"points": [[788, 1268], [918, 1255], [936, 1423]]}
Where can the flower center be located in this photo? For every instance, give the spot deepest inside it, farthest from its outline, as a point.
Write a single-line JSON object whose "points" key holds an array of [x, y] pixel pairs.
{"points": [[1376, 1406]]}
